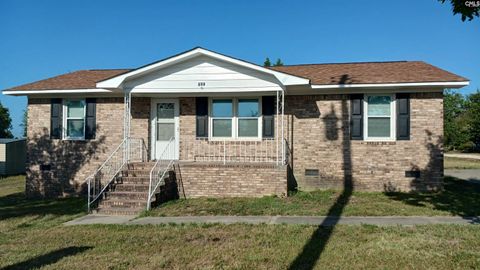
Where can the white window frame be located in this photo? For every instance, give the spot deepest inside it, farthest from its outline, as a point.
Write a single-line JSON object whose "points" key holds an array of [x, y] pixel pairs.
{"points": [[66, 118], [393, 119], [235, 119]]}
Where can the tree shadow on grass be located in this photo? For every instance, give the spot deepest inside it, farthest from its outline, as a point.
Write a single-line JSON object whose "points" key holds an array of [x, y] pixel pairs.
{"points": [[47, 259], [458, 197], [316, 244]]}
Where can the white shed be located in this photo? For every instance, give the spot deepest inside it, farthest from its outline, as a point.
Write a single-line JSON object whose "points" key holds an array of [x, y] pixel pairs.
{"points": [[12, 156]]}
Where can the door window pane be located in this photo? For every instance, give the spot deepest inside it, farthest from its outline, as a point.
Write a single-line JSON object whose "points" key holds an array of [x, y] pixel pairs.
{"points": [[75, 108], [379, 127], [165, 110], [248, 127], [379, 105], [75, 128], [222, 108], [222, 127], [165, 131], [248, 108]]}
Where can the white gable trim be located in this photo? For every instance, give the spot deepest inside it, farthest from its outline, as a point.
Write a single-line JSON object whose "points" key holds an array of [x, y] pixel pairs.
{"points": [[285, 79]]}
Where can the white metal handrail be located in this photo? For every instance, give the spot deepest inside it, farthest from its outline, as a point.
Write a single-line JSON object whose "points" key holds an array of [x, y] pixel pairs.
{"points": [[160, 169], [99, 181], [230, 151]]}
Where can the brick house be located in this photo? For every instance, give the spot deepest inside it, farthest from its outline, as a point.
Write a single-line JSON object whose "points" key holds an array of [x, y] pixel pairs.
{"points": [[204, 124]]}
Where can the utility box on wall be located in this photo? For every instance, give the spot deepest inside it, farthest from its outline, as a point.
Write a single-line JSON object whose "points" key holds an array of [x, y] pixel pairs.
{"points": [[12, 156]]}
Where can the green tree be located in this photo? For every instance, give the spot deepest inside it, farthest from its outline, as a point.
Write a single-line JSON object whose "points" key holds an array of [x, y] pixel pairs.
{"points": [[267, 62], [467, 9], [5, 123], [278, 63], [455, 131], [24, 123], [473, 113]]}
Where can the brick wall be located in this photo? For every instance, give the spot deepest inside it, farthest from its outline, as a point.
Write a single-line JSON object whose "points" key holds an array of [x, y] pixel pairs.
{"points": [[232, 180], [318, 134], [70, 162]]}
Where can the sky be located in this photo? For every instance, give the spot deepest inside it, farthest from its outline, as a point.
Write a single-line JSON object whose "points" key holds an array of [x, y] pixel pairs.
{"points": [[41, 39]]}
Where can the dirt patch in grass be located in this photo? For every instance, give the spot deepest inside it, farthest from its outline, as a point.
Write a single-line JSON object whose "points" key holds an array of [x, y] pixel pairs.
{"points": [[458, 198], [460, 163]]}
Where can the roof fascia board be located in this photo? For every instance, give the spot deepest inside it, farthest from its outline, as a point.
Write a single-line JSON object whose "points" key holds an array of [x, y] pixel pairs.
{"points": [[55, 91]]}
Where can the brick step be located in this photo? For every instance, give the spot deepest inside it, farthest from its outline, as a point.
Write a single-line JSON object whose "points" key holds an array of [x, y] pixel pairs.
{"points": [[136, 173], [142, 187], [123, 203], [134, 180], [126, 195], [119, 211], [141, 166]]}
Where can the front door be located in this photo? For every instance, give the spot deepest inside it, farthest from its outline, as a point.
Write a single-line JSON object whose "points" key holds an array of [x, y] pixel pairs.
{"points": [[165, 127]]}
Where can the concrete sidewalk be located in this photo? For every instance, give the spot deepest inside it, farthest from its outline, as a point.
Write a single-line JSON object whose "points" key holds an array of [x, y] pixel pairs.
{"points": [[463, 155], [305, 220]]}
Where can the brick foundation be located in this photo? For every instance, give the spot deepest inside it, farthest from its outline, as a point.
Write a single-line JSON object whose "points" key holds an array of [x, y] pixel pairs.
{"points": [[232, 180]]}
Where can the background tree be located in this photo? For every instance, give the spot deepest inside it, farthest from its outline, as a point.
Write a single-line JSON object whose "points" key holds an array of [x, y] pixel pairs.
{"points": [[278, 63], [473, 114], [468, 9], [5, 123], [267, 62], [454, 108], [24, 123]]}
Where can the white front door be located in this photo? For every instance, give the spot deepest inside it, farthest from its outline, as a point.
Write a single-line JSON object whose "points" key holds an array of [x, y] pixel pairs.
{"points": [[165, 126]]}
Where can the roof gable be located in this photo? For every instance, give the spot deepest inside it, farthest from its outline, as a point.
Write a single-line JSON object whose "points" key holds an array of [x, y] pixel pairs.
{"points": [[117, 81]]}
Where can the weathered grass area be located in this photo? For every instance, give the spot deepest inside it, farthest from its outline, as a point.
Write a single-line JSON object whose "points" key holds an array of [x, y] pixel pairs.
{"points": [[458, 198], [32, 237], [460, 163]]}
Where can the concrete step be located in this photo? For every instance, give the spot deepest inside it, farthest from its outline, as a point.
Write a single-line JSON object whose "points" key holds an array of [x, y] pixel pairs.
{"points": [[119, 211], [134, 180]]}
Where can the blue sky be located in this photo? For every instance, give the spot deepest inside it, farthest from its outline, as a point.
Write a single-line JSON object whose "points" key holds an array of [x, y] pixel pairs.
{"points": [[40, 39]]}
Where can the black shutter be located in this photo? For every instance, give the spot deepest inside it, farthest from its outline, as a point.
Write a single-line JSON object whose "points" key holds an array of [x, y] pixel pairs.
{"points": [[56, 118], [403, 116], [90, 118], [356, 117], [201, 111], [268, 111]]}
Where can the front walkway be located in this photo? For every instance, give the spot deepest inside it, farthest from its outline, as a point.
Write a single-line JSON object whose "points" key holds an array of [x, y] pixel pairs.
{"points": [[304, 220], [472, 175]]}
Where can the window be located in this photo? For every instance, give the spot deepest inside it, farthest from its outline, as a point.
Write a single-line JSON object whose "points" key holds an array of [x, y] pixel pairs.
{"points": [[379, 118], [235, 118], [74, 120], [248, 112], [222, 117]]}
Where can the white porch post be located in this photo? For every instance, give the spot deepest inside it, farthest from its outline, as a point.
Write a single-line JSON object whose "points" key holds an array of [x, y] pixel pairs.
{"points": [[276, 124], [283, 135]]}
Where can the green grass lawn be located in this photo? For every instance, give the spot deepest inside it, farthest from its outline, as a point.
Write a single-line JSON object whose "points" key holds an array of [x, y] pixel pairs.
{"points": [[458, 198], [32, 236], [460, 163]]}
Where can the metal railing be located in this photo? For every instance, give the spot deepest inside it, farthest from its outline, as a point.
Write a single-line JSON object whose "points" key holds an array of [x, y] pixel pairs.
{"points": [[130, 149], [226, 151], [160, 169]]}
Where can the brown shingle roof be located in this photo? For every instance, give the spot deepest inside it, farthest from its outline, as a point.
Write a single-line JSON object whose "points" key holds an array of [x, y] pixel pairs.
{"points": [[82, 79], [371, 72], [326, 74]]}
